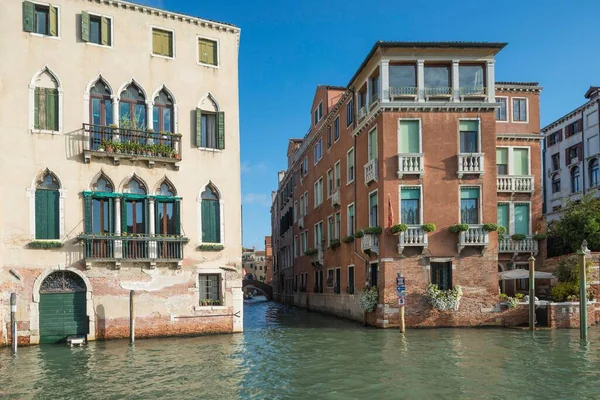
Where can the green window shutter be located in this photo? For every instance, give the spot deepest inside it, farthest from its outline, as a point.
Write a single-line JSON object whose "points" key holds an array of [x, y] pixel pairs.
{"points": [[198, 127], [410, 194], [85, 26], [156, 42], [469, 193], [105, 32], [36, 111], [87, 210], [53, 214], [210, 222], [522, 218], [177, 216], [41, 214], [206, 222], [520, 162], [409, 137], [28, 12], [52, 109], [503, 216], [123, 216], [220, 130], [53, 21]]}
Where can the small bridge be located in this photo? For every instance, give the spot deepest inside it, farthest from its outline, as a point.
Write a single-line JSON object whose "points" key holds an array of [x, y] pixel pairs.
{"points": [[262, 287]]}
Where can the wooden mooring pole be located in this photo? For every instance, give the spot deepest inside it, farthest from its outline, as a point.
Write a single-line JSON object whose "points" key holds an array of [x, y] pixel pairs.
{"points": [[131, 317], [13, 322], [532, 293]]}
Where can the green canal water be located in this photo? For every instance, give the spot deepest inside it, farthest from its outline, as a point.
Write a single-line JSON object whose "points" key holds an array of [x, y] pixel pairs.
{"points": [[288, 353]]}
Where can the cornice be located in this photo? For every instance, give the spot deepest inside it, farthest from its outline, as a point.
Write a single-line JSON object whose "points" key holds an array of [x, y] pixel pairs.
{"points": [[206, 23], [548, 129], [518, 88], [534, 137]]}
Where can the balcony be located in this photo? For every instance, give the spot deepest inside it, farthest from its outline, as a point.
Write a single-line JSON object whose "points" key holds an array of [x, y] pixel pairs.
{"points": [[371, 173], [473, 93], [151, 248], [410, 164], [335, 198], [508, 245], [316, 258], [374, 100], [369, 243], [137, 145], [301, 222], [414, 236], [474, 236], [362, 112], [403, 92], [438, 92], [470, 164], [515, 184]]}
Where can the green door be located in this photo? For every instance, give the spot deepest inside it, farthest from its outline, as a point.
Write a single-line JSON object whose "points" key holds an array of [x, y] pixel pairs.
{"points": [[62, 315]]}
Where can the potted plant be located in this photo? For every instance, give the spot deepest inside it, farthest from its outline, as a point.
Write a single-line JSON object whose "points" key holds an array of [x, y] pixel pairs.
{"points": [[429, 227], [106, 145], [459, 228], [396, 229], [501, 232], [518, 236], [335, 243], [311, 251], [490, 227], [165, 134], [373, 230], [358, 234], [348, 239], [540, 236]]}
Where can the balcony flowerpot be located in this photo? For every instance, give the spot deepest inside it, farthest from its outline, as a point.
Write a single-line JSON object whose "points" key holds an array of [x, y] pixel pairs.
{"points": [[490, 227], [459, 228], [397, 229], [429, 228]]}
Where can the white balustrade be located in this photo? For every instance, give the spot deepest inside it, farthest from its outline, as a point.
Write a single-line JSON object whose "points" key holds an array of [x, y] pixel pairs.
{"points": [[410, 164], [470, 163], [474, 236], [371, 173], [370, 242], [508, 245], [414, 236], [515, 184], [335, 198]]}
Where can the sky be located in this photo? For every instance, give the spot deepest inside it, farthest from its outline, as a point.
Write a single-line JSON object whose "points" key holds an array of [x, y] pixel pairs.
{"points": [[287, 48]]}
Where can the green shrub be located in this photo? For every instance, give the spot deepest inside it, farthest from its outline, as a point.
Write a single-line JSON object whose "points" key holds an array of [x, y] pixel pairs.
{"points": [[568, 269], [45, 244], [211, 247], [518, 236], [490, 227], [373, 230], [399, 228], [334, 244], [540, 236], [459, 228], [359, 234], [310, 252], [348, 239], [565, 291], [520, 296], [429, 227], [501, 230]]}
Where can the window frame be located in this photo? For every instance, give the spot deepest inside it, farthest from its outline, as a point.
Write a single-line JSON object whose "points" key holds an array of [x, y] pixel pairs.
{"points": [[350, 289], [337, 180], [350, 112], [318, 145], [419, 121], [58, 20], [506, 120], [319, 183], [173, 40], [451, 274], [336, 129], [348, 224], [221, 214], [327, 280], [479, 203], [526, 121], [112, 31], [510, 160], [319, 225], [590, 174], [218, 52], [330, 229], [479, 145], [510, 229], [348, 180], [376, 193], [318, 113], [221, 286], [420, 188], [330, 182], [572, 176], [553, 183]]}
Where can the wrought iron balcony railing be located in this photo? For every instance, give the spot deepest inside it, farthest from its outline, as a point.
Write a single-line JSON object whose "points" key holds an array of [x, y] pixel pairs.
{"points": [[133, 247]]}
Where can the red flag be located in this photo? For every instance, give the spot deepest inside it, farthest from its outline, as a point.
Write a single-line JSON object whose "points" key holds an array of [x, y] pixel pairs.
{"points": [[391, 212]]}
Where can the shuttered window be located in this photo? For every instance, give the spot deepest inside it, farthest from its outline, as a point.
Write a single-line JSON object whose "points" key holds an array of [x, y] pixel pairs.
{"points": [[47, 208], [46, 109], [210, 129], [40, 19], [408, 137], [522, 218], [211, 216], [207, 51], [162, 42], [96, 29]]}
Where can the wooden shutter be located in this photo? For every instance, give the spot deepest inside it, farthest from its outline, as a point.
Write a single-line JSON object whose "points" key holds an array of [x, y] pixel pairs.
{"points": [[198, 127], [105, 31], [28, 13], [206, 228], [53, 21], [85, 26], [53, 214], [156, 42], [220, 130], [41, 214], [87, 214], [177, 216], [52, 109], [36, 108]]}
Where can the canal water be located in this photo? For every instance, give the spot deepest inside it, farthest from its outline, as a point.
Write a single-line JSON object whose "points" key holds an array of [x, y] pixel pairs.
{"points": [[288, 353]]}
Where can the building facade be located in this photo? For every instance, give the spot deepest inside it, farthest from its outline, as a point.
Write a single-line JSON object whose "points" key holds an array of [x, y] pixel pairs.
{"points": [[268, 261], [405, 172], [571, 155], [255, 265], [124, 125]]}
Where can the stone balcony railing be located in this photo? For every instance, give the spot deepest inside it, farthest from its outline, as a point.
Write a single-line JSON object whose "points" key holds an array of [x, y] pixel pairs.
{"points": [[335, 198], [317, 258], [474, 236], [438, 92], [515, 184], [528, 245], [370, 243], [414, 236], [362, 112], [371, 173], [403, 92], [301, 222], [410, 164], [470, 164]]}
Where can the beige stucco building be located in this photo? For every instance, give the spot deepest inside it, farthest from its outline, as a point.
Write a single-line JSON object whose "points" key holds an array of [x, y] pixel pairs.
{"points": [[121, 171]]}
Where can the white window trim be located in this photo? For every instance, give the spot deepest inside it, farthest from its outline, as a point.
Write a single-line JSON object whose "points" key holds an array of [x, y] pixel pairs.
{"points": [[339, 129], [59, 88], [507, 120], [376, 141], [369, 207], [527, 110], [420, 187], [150, 101], [511, 216], [112, 32], [420, 132], [335, 177], [330, 189], [305, 211], [212, 39], [160, 28], [315, 233], [320, 113], [479, 148], [320, 144], [348, 166], [511, 159], [62, 195], [348, 219], [337, 232], [318, 182], [330, 235], [211, 271], [58, 21], [352, 110], [221, 214], [480, 203]]}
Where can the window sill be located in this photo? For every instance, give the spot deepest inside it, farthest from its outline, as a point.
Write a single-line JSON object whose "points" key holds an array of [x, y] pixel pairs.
{"points": [[106, 46], [210, 149], [210, 308], [162, 56], [45, 131], [348, 183], [44, 36], [207, 65]]}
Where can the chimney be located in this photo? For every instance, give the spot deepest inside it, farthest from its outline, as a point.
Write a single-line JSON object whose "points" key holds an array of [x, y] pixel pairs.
{"points": [[280, 176]]}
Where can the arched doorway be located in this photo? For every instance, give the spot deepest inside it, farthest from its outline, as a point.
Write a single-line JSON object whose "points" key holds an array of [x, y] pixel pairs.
{"points": [[62, 307]]}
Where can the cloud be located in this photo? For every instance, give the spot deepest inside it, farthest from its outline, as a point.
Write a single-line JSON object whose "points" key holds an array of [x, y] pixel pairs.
{"points": [[249, 168], [257, 199]]}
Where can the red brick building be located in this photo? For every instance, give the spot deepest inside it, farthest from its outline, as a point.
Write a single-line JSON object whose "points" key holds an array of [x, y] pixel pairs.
{"points": [[422, 134]]}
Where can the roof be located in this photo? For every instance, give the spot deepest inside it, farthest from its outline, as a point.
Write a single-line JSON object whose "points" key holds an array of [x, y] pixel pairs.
{"points": [[591, 91], [439, 45], [331, 87], [296, 140], [518, 83]]}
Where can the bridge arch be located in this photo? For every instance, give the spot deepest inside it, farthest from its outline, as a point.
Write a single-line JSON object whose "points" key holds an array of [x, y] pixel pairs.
{"points": [[258, 285]]}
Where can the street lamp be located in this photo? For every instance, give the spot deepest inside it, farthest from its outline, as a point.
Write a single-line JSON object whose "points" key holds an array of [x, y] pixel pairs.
{"points": [[583, 251]]}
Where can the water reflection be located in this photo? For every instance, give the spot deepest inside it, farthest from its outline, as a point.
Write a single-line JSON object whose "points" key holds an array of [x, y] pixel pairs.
{"points": [[290, 353]]}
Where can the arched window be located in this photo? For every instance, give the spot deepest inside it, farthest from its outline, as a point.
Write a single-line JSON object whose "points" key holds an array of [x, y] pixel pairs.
{"points": [[101, 111], [575, 181], [102, 208], [211, 216], [46, 102], [167, 217], [47, 210], [555, 183], [134, 210], [594, 173], [132, 108], [210, 125], [163, 118]]}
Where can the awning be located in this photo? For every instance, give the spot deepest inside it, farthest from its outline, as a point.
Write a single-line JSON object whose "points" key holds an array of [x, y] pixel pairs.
{"points": [[523, 274]]}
